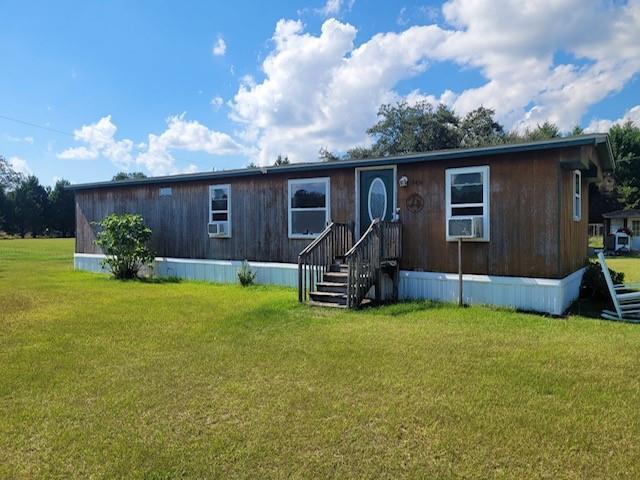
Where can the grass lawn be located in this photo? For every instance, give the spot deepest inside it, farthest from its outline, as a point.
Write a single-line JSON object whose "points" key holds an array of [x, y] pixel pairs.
{"points": [[103, 379]]}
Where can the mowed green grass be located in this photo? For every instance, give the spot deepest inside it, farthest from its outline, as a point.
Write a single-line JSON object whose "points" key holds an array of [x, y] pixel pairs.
{"points": [[105, 379]]}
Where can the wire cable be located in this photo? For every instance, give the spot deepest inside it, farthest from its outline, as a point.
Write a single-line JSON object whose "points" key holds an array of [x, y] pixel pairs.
{"points": [[35, 125]]}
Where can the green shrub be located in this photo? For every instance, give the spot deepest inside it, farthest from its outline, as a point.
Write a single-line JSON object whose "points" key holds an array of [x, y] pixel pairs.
{"points": [[246, 275], [593, 282], [123, 239]]}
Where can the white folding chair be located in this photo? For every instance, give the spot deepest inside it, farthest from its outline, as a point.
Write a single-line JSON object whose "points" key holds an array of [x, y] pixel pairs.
{"points": [[625, 297]]}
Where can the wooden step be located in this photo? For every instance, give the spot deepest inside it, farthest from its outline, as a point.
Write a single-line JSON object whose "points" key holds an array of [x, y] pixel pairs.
{"points": [[336, 277], [329, 297], [339, 267], [335, 287]]}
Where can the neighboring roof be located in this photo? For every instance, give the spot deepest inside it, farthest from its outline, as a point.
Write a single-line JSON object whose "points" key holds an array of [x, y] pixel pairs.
{"points": [[622, 214], [599, 140]]}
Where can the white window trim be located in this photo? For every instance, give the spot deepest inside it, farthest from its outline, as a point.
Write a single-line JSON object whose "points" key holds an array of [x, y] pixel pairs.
{"points": [[327, 207], [486, 186], [577, 215], [227, 187]]}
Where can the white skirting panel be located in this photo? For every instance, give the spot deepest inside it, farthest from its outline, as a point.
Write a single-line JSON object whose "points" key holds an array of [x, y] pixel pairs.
{"points": [[531, 294], [221, 271]]}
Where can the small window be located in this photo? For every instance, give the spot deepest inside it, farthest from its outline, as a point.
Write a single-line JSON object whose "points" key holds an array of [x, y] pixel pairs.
{"points": [[467, 195], [165, 192], [577, 195], [309, 201], [635, 227], [219, 211]]}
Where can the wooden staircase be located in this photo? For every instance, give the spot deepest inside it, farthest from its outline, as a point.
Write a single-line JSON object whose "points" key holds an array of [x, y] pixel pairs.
{"points": [[333, 271], [332, 290]]}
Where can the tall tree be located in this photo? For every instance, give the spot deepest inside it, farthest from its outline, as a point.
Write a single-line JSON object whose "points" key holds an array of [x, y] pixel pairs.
{"points": [[479, 129], [61, 209], [127, 176], [625, 145], [4, 210], [404, 128], [30, 202], [9, 178]]}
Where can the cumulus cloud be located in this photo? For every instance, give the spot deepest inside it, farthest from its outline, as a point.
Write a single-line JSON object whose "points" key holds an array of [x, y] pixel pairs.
{"points": [[155, 154], [219, 48], [603, 125], [20, 165], [324, 91], [99, 140], [182, 134]]}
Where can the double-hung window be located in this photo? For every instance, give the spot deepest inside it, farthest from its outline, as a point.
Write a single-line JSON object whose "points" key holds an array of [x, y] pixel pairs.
{"points": [[308, 207], [467, 195], [577, 195], [220, 211]]}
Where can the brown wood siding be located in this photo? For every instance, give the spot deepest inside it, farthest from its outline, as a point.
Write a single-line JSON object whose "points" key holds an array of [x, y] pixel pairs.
{"points": [[523, 222], [179, 222], [574, 235], [532, 232]]}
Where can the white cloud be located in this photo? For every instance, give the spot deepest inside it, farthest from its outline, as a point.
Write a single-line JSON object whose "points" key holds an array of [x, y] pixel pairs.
{"points": [[324, 91], [332, 8], [184, 135], [99, 140], [78, 153], [220, 47], [20, 165], [217, 102], [155, 154], [603, 125]]}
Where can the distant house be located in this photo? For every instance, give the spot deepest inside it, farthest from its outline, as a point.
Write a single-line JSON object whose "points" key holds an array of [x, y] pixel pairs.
{"points": [[627, 220], [381, 227]]}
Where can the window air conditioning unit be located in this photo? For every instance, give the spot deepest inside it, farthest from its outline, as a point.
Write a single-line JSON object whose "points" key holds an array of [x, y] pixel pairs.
{"points": [[218, 229], [465, 227]]}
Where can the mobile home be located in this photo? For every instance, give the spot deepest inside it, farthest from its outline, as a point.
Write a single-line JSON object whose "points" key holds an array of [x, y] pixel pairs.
{"points": [[381, 228]]}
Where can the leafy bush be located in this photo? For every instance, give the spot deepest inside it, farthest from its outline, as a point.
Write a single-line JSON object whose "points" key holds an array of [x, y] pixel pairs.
{"points": [[123, 239], [593, 282], [246, 275]]}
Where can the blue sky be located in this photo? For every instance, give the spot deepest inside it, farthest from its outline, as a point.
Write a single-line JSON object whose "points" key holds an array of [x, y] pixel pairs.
{"points": [[283, 83]]}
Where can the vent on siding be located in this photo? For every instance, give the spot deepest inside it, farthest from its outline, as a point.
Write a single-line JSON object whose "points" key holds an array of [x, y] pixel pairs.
{"points": [[165, 192]]}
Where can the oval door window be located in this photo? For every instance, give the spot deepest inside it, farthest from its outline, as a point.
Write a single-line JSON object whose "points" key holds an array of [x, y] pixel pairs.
{"points": [[377, 199]]}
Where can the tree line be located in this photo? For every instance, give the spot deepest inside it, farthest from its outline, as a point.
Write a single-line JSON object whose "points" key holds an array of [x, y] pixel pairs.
{"points": [[27, 207]]}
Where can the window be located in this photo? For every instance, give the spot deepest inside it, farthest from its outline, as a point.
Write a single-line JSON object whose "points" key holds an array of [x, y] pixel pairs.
{"points": [[635, 227], [309, 201], [577, 195], [220, 211], [467, 195]]}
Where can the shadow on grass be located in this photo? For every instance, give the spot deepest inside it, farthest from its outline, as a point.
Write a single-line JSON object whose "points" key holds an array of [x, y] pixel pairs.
{"points": [[587, 307], [150, 280], [404, 308], [161, 280]]}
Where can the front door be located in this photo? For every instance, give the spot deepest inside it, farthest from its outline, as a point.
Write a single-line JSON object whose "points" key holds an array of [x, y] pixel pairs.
{"points": [[376, 196]]}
